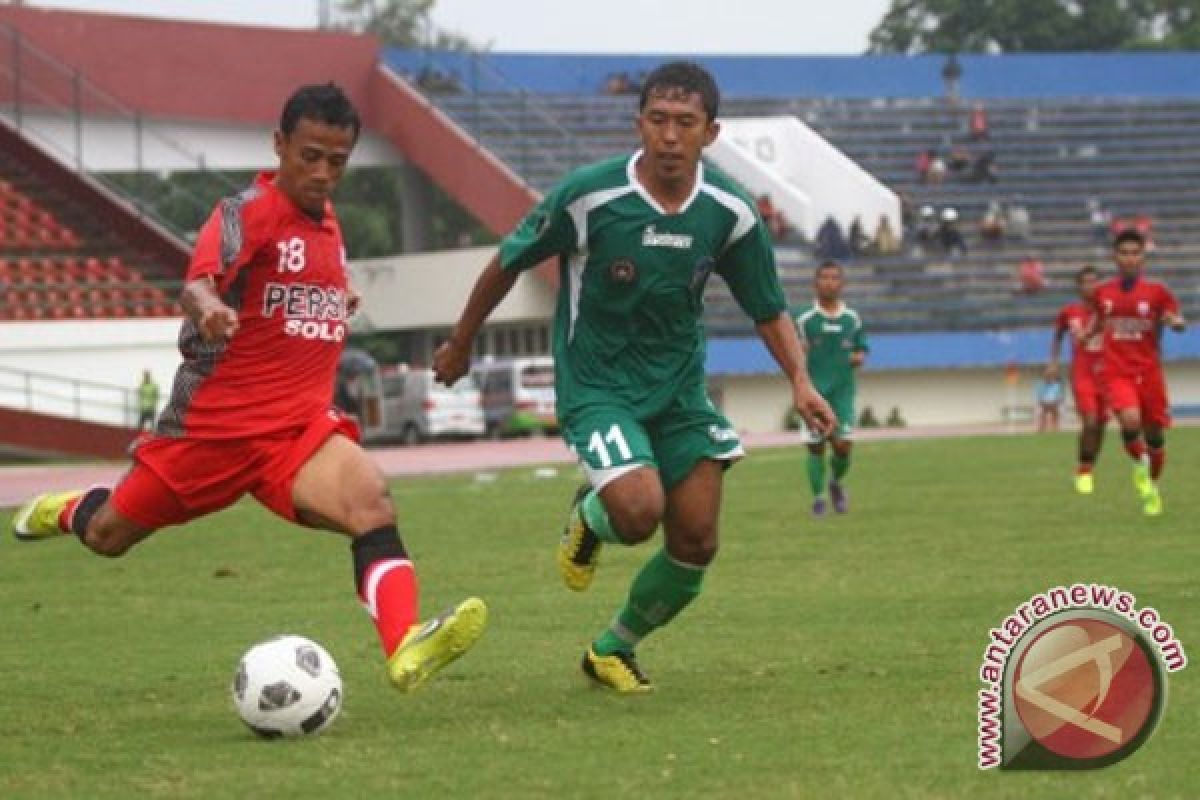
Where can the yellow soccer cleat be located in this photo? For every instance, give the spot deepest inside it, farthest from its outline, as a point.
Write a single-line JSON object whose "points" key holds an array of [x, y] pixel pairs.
{"points": [[1085, 484], [619, 672], [578, 549], [38, 518], [1142, 482], [1152, 504], [433, 645]]}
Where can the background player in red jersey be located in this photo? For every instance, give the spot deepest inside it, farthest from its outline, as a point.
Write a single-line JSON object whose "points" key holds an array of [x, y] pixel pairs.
{"points": [[1075, 320], [267, 301], [1131, 311]]}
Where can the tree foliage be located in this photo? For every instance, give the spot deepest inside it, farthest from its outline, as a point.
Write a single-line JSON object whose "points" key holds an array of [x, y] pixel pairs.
{"points": [[1034, 26], [402, 23]]}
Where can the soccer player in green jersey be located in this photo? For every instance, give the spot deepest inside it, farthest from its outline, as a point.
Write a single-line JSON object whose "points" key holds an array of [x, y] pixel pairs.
{"points": [[637, 238], [836, 345]]}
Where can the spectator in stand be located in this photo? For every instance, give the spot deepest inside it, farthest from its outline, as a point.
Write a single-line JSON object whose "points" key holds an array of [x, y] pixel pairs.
{"points": [[984, 167], [776, 223], [831, 243], [922, 164], [616, 83], [949, 237], [977, 124], [1140, 223], [926, 232], [1020, 222], [860, 243], [951, 76], [960, 160], [1031, 274], [992, 225], [936, 174], [885, 241], [1100, 220]]}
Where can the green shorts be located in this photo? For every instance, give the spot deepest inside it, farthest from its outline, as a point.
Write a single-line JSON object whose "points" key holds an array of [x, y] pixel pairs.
{"points": [[610, 440], [841, 400]]}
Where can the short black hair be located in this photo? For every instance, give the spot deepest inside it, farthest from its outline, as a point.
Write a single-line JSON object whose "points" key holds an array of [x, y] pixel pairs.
{"points": [[828, 263], [325, 103], [687, 76], [1129, 235], [1084, 271]]}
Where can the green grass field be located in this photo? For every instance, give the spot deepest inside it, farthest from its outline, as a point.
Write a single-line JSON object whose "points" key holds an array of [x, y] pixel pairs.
{"points": [[835, 658]]}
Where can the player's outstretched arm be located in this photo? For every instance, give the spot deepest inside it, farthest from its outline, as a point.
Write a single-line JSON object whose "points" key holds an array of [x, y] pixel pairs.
{"points": [[216, 321], [779, 335], [453, 358]]}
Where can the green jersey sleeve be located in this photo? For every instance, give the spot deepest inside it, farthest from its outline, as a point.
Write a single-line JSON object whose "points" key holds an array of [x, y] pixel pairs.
{"points": [[546, 231], [748, 267], [860, 338]]}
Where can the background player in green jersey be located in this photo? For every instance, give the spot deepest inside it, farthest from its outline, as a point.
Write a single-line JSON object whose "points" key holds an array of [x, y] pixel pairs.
{"points": [[637, 238], [836, 345]]}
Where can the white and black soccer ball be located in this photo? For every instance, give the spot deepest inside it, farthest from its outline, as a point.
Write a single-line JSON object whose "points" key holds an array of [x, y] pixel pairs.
{"points": [[287, 686]]}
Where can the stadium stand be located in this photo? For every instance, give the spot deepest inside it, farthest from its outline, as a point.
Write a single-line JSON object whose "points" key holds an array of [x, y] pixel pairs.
{"points": [[1135, 156], [60, 260]]}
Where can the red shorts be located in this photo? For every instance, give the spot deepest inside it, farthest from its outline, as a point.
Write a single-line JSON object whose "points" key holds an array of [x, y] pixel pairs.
{"points": [[174, 480], [1145, 391], [1090, 400]]}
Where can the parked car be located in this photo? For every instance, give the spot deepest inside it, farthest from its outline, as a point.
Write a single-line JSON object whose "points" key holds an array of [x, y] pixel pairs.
{"points": [[417, 408], [518, 395]]}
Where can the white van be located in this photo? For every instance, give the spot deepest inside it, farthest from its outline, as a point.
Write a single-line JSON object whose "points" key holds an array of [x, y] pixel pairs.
{"points": [[417, 408], [518, 395]]}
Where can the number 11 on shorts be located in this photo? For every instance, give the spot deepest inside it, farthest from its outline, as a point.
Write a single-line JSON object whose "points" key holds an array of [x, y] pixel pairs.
{"points": [[599, 445]]}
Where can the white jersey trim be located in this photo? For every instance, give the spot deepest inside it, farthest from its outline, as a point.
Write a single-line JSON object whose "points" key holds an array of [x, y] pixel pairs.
{"points": [[631, 174], [746, 220]]}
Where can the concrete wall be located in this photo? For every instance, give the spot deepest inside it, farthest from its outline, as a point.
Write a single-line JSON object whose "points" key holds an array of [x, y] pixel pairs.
{"points": [[757, 403], [108, 352], [115, 144]]}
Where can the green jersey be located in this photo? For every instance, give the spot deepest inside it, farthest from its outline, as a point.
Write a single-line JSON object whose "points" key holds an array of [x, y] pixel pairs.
{"points": [[628, 327], [831, 339]]}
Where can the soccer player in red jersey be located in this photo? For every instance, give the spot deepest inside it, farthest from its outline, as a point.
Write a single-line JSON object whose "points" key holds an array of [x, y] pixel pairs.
{"points": [[266, 300], [1075, 320], [1131, 311]]}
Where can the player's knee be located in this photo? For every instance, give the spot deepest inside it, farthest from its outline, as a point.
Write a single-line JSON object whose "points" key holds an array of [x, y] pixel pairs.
{"points": [[637, 520], [107, 541], [699, 547]]}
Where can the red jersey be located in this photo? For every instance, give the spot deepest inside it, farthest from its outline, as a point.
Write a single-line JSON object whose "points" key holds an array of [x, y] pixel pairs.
{"points": [[1085, 356], [285, 274], [1132, 321]]}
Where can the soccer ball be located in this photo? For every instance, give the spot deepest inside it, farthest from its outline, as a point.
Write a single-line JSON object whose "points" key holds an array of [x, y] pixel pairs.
{"points": [[287, 686]]}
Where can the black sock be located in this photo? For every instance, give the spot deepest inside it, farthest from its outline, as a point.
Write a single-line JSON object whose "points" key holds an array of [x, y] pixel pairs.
{"points": [[86, 508], [374, 546]]}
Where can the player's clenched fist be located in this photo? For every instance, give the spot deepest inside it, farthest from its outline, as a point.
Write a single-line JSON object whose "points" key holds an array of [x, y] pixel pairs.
{"points": [[217, 323], [451, 362]]}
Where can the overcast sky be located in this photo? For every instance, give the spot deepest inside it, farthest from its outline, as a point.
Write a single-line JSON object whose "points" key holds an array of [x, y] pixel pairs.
{"points": [[610, 26]]}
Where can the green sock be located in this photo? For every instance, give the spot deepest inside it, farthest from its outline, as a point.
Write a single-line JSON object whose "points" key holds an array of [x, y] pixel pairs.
{"points": [[841, 465], [816, 473], [662, 589], [595, 516]]}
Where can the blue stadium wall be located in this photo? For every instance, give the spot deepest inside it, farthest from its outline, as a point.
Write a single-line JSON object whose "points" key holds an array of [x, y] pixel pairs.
{"points": [[920, 351], [984, 76]]}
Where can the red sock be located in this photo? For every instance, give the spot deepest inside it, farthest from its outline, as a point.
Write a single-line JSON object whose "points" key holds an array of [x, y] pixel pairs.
{"points": [[1158, 459], [1084, 469], [389, 593], [64, 516], [1136, 449]]}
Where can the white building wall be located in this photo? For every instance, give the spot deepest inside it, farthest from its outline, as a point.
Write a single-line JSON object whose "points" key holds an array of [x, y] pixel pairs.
{"points": [[111, 352], [115, 144], [758, 403]]}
